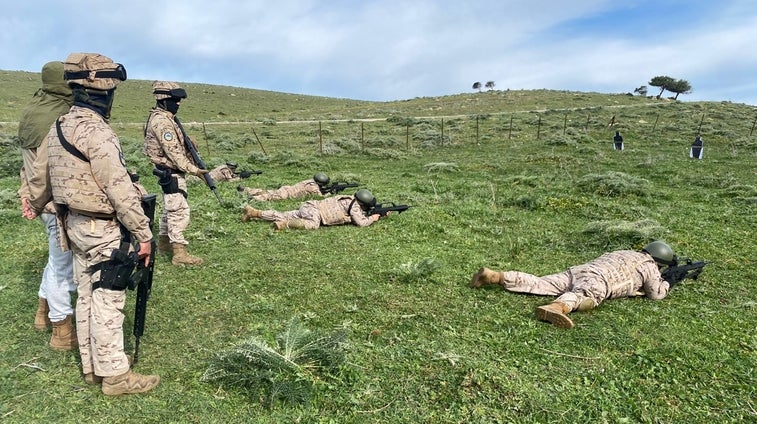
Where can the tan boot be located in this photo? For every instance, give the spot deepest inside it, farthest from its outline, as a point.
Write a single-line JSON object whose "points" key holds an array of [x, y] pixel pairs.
{"points": [[129, 383], [182, 257], [486, 276], [41, 320], [250, 213], [64, 335], [164, 244], [92, 379], [555, 313]]}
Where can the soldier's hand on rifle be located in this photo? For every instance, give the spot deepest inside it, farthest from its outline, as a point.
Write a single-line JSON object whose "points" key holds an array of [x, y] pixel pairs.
{"points": [[145, 249], [201, 172], [375, 217]]}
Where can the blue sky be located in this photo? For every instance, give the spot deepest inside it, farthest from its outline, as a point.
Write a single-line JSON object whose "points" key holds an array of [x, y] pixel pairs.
{"points": [[396, 50]]}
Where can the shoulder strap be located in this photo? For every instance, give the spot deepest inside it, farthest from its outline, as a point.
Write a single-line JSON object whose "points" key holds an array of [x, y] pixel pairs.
{"points": [[68, 146]]}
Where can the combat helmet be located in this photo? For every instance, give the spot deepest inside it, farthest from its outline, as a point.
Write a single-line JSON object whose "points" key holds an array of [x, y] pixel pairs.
{"points": [[167, 90], [232, 165], [93, 70], [661, 252], [321, 178], [365, 198]]}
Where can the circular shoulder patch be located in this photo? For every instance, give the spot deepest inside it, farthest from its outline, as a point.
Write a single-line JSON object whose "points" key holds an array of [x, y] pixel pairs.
{"points": [[168, 136]]}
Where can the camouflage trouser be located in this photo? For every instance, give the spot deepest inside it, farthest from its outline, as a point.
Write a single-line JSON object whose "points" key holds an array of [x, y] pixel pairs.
{"points": [[175, 218], [58, 277], [572, 289], [99, 314], [308, 213]]}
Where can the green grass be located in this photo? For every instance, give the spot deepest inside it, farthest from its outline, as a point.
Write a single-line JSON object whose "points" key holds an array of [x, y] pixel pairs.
{"points": [[423, 347]]}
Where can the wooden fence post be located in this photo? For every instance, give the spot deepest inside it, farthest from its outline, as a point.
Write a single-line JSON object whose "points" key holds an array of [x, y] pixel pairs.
{"points": [[538, 129], [510, 131], [320, 136]]}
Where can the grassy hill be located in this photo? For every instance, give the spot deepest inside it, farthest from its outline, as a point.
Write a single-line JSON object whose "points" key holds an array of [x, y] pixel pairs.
{"points": [[522, 180]]}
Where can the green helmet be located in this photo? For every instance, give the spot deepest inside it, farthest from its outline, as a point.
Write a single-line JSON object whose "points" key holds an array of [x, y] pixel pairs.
{"points": [[365, 198], [321, 178], [232, 165], [661, 252]]}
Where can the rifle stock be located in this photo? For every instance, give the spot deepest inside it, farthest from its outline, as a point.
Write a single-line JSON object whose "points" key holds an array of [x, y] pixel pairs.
{"points": [[142, 278]]}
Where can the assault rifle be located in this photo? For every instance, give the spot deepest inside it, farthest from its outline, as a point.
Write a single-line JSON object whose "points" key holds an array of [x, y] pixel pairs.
{"points": [[142, 279], [335, 188], [248, 174], [198, 161], [383, 209], [676, 273]]}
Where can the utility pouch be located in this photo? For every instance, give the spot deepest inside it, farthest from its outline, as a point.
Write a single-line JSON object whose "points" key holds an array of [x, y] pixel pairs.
{"points": [[61, 213], [115, 273]]}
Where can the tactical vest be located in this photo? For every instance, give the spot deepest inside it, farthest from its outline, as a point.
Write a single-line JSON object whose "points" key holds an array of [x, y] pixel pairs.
{"points": [[333, 211], [71, 178]]}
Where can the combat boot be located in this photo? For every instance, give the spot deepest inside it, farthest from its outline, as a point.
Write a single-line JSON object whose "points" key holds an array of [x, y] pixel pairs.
{"points": [[41, 320], [164, 244], [486, 276], [129, 383], [182, 257], [92, 379], [555, 313], [250, 213], [64, 335]]}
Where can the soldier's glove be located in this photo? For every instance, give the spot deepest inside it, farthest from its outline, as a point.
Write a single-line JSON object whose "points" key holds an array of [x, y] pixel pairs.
{"points": [[201, 172]]}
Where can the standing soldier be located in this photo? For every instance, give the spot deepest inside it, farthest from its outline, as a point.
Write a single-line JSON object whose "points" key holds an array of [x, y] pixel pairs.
{"points": [[100, 208], [54, 307], [337, 210], [623, 273], [164, 145], [304, 188]]}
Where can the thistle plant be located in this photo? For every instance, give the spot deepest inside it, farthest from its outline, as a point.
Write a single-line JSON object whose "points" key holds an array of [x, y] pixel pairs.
{"points": [[287, 373]]}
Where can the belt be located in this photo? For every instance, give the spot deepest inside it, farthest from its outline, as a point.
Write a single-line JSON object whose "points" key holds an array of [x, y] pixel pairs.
{"points": [[94, 215]]}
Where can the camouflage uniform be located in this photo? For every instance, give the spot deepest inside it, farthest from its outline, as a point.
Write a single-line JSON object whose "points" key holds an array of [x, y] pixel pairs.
{"points": [[312, 214], [623, 273], [224, 173], [52, 100], [89, 180], [301, 189], [164, 146]]}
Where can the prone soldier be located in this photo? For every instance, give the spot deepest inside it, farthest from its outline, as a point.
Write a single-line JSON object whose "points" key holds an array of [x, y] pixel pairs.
{"points": [[302, 189]]}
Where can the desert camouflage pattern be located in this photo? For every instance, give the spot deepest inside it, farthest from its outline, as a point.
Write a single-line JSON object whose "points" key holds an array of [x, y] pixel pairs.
{"points": [[223, 173], [163, 86], [623, 273], [101, 187], [99, 314], [327, 212], [302, 189], [91, 62], [33, 176], [175, 217], [164, 143]]}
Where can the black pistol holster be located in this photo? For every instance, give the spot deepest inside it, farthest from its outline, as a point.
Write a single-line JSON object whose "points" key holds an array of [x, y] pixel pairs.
{"points": [[168, 184], [116, 272]]}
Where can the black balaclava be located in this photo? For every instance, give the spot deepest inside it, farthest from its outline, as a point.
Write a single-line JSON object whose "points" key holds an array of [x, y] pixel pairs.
{"points": [[97, 100], [171, 104]]}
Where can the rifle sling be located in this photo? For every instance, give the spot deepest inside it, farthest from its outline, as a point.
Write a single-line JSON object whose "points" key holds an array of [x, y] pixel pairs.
{"points": [[70, 148]]}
